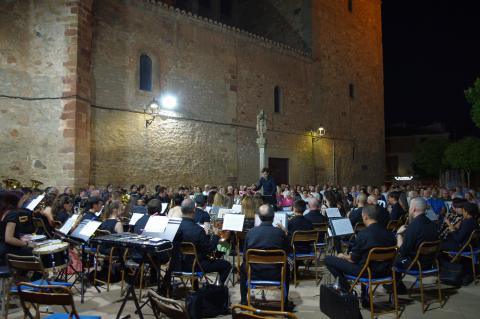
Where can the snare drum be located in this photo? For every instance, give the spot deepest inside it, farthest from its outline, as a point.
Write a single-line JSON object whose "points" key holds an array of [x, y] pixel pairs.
{"points": [[53, 255]]}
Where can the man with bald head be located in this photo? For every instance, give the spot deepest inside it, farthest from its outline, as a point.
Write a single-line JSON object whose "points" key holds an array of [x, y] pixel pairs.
{"points": [[420, 229], [314, 215], [264, 236], [383, 216], [191, 232]]}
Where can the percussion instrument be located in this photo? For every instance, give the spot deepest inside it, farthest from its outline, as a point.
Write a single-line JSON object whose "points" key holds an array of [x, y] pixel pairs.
{"points": [[52, 253], [134, 241]]}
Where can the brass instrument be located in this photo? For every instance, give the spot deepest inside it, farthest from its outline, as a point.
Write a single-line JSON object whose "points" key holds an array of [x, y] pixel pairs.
{"points": [[125, 199], [11, 183], [35, 183]]}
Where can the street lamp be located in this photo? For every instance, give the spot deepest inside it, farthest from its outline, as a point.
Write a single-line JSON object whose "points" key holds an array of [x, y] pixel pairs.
{"points": [[318, 134], [153, 107]]}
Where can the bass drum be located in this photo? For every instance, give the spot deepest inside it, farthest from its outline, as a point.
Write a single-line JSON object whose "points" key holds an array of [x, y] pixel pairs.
{"points": [[54, 255]]}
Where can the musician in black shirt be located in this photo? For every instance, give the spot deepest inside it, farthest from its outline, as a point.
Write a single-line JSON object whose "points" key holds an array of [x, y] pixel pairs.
{"points": [[355, 215], [314, 215], [420, 229], [265, 236], [191, 232], [11, 239], [374, 235], [397, 211], [94, 205], [299, 223]]}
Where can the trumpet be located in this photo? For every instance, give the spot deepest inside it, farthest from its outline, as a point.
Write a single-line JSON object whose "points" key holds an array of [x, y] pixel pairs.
{"points": [[35, 183], [11, 183]]}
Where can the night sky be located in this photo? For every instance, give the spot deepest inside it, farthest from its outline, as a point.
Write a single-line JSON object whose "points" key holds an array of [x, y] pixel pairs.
{"points": [[431, 55]]}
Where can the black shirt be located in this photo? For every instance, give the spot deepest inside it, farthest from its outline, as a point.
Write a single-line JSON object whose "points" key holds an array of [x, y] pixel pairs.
{"points": [[316, 217], [89, 215], [10, 217], [383, 215], [140, 224], [268, 184], [201, 216], [461, 235], [191, 232], [62, 216], [375, 235], [299, 223], [356, 216], [109, 225], [397, 212], [419, 230]]}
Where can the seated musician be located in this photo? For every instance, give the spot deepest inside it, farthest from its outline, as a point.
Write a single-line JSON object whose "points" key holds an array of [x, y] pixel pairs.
{"points": [[453, 217], [355, 215], [201, 217], [298, 223], [46, 213], [162, 195], [396, 209], [191, 232], [314, 215], [12, 240], [62, 208], [140, 207], [458, 235], [113, 213], [374, 235], [249, 211], [420, 229], [383, 215], [265, 236], [94, 205], [176, 211], [154, 207]]}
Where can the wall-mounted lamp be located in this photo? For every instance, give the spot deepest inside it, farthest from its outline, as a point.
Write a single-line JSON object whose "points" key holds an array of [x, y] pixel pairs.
{"points": [[153, 107], [318, 134]]}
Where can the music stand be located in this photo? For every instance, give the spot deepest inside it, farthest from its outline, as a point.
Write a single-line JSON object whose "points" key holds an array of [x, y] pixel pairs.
{"points": [[80, 236], [340, 227]]}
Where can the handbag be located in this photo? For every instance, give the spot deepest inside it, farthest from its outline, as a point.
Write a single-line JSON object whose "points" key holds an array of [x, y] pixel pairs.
{"points": [[208, 302], [338, 304]]}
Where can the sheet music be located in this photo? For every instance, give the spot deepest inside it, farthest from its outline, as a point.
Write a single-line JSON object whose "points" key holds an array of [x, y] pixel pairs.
{"points": [[288, 212], [333, 213], [237, 209], [286, 209], [431, 215], [34, 203], [233, 222], [448, 205], [280, 218], [90, 228], [342, 226], [135, 218], [208, 209], [164, 207], [65, 229], [156, 224], [223, 211], [382, 203]]}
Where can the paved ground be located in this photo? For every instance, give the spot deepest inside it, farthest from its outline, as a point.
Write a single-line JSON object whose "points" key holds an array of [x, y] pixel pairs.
{"points": [[462, 303]]}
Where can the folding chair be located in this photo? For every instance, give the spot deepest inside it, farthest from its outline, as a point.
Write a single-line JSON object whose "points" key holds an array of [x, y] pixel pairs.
{"points": [[304, 237], [18, 266], [188, 249], [322, 240], [240, 239], [377, 254], [470, 250], [166, 307], [266, 257], [428, 250], [100, 257], [51, 296], [245, 312]]}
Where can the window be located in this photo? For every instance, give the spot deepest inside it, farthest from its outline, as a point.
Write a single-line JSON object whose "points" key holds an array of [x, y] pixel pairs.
{"points": [[226, 8], [277, 96], [145, 73], [350, 5], [351, 90]]}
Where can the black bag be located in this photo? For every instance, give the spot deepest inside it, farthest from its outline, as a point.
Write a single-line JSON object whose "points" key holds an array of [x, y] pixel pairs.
{"points": [[451, 273], [339, 304], [208, 302]]}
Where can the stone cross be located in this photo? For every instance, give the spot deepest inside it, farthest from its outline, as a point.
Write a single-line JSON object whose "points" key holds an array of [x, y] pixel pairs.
{"points": [[261, 140]]}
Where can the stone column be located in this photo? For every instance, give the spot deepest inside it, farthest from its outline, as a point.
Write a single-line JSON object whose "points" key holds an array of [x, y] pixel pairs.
{"points": [[262, 143]]}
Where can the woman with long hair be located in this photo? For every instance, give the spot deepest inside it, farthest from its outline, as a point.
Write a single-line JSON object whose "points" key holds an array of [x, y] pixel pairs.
{"points": [[248, 209], [112, 223]]}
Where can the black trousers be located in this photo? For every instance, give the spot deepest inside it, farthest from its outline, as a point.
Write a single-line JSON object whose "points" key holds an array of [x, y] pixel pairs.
{"points": [[262, 276], [339, 267], [221, 266]]}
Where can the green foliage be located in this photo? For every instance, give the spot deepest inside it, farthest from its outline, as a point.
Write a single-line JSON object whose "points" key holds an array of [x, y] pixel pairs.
{"points": [[427, 157], [472, 95], [464, 154]]}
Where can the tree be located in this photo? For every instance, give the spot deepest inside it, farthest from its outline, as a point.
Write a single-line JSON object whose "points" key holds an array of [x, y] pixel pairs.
{"points": [[465, 155], [427, 157], [472, 95]]}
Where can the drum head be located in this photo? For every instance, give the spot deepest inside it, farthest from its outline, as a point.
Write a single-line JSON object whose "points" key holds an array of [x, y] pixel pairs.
{"points": [[50, 248]]}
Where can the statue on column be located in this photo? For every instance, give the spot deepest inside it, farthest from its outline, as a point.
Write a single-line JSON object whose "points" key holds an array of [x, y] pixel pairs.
{"points": [[261, 125]]}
